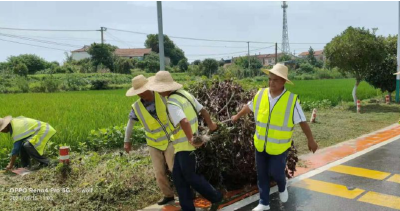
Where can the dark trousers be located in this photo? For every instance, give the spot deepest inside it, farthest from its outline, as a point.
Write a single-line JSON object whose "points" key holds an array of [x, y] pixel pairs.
{"points": [[28, 151], [270, 166], [184, 175]]}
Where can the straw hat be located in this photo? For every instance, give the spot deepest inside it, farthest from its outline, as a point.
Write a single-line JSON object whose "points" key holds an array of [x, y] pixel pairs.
{"points": [[163, 82], [281, 71], [138, 86], [4, 122]]}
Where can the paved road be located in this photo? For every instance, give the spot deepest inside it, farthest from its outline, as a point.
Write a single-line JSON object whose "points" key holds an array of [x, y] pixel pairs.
{"points": [[370, 182]]}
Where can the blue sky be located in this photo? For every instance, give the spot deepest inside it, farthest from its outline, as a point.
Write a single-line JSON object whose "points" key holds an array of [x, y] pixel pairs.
{"points": [[309, 22]]}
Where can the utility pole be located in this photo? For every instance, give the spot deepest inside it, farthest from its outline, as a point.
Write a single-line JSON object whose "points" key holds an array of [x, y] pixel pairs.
{"points": [[398, 60], [248, 53], [276, 53], [160, 36], [102, 29]]}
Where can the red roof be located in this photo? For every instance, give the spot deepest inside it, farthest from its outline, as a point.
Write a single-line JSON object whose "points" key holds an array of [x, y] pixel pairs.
{"points": [[127, 52], [132, 52], [267, 56], [316, 53], [84, 49]]}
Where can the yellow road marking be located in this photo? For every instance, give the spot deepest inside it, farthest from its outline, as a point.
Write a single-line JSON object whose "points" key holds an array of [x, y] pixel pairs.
{"points": [[394, 178], [361, 172], [329, 188], [381, 200]]}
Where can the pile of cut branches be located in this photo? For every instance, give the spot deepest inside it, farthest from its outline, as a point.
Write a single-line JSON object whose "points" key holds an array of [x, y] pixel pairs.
{"points": [[228, 159]]}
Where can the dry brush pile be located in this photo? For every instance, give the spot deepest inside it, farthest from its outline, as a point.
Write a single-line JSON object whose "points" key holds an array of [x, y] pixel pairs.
{"points": [[228, 159]]}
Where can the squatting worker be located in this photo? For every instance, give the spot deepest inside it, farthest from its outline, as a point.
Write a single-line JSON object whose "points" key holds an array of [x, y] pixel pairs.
{"points": [[151, 111], [276, 111], [30, 137], [183, 109]]}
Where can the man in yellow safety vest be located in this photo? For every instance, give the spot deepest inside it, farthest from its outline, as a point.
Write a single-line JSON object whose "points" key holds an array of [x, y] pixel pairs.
{"points": [[183, 109], [151, 111], [276, 111], [30, 137]]}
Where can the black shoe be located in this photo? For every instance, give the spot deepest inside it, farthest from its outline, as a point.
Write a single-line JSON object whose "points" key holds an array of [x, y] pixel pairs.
{"points": [[166, 200], [214, 206]]}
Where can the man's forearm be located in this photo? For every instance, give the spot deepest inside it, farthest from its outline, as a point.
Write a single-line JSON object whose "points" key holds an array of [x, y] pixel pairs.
{"points": [[204, 113], [187, 129], [12, 161], [245, 110], [128, 131], [307, 130]]}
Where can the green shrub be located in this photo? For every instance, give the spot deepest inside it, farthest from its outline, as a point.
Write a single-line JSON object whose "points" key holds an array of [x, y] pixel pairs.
{"points": [[73, 82], [22, 84], [99, 84], [20, 69], [306, 68], [124, 65], [50, 84], [309, 106], [113, 137]]}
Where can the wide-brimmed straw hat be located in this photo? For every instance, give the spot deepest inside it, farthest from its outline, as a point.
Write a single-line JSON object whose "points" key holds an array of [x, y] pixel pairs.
{"points": [[163, 82], [281, 71], [4, 122], [138, 86]]}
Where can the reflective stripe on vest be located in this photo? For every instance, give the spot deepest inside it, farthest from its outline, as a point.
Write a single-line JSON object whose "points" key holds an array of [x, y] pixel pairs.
{"points": [[29, 132], [277, 138], [157, 129], [180, 140], [34, 131]]}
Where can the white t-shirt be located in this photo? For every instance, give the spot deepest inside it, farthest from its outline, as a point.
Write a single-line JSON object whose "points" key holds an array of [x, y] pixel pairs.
{"points": [[176, 113], [298, 115]]}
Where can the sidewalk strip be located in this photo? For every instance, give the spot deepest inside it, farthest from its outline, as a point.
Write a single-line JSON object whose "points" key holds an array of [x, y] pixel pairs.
{"points": [[328, 188], [361, 172], [381, 200]]}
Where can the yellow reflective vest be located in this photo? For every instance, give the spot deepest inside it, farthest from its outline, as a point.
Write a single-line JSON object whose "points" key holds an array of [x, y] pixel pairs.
{"points": [[157, 129], [36, 132], [181, 142], [274, 129]]}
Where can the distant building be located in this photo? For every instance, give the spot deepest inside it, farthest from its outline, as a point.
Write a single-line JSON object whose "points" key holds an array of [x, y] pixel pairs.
{"points": [[266, 59], [138, 53], [319, 55]]}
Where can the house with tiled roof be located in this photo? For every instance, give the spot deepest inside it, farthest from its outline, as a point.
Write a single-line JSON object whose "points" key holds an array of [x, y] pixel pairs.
{"points": [[138, 53], [319, 55]]}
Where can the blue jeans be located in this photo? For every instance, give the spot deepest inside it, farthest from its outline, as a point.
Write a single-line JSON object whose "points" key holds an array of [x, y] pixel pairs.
{"points": [[270, 166], [184, 175]]}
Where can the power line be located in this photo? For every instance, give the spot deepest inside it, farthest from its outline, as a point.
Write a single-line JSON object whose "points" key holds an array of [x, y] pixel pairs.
{"points": [[117, 39], [33, 45], [143, 33], [231, 52], [38, 40], [190, 38], [53, 30]]}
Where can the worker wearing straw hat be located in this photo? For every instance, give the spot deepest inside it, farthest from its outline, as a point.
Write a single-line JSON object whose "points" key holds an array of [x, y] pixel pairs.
{"points": [[183, 109], [151, 111], [30, 137], [276, 111]]}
